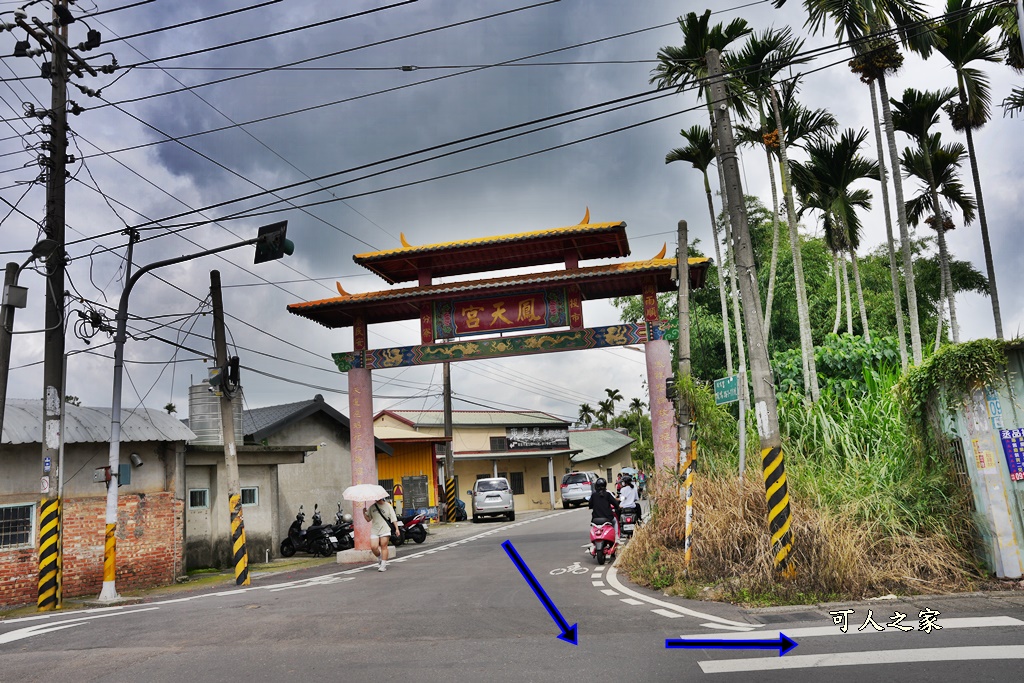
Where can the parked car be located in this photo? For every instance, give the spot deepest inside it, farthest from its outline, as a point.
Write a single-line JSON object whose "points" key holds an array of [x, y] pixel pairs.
{"points": [[492, 497], [577, 487]]}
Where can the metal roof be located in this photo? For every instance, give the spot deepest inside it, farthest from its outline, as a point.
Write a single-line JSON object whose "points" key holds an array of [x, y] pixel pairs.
{"points": [[23, 423], [584, 241], [597, 443], [475, 418]]}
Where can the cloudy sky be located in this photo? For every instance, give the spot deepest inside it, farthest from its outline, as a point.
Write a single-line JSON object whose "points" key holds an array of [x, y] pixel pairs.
{"points": [[162, 140]]}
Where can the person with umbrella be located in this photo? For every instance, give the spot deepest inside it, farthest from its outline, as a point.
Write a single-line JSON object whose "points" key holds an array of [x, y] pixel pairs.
{"points": [[383, 523], [381, 516]]}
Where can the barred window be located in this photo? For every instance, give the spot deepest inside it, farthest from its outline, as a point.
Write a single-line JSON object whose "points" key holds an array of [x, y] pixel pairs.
{"points": [[16, 525], [387, 484], [250, 495], [516, 481], [545, 485], [198, 499], [498, 443]]}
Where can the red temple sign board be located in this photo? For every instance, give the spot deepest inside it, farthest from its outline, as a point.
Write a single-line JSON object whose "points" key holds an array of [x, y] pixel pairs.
{"points": [[496, 314]]}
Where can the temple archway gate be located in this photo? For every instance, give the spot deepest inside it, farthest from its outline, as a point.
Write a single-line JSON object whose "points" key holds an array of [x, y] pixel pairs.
{"points": [[465, 310]]}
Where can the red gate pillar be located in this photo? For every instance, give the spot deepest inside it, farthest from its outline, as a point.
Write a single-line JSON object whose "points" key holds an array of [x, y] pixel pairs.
{"points": [[663, 424], [364, 456]]}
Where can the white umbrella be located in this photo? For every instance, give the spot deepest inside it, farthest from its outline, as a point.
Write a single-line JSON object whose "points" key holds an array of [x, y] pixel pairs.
{"points": [[365, 493]]}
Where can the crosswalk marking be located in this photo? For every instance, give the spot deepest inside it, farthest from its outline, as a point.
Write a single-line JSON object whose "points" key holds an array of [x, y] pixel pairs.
{"points": [[944, 654], [667, 613]]}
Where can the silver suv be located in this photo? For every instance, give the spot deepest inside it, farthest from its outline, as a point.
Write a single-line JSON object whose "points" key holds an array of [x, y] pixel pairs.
{"points": [[492, 497], [577, 487]]}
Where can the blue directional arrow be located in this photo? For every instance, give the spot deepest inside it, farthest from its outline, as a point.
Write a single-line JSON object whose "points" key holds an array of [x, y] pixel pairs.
{"points": [[782, 643], [569, 633]]}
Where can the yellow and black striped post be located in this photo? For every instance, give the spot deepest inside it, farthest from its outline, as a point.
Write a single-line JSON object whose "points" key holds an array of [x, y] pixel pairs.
{"points": [[49, 530], [239, 555], [689, 466], [110, 554], [449, 494], [776, 493]]}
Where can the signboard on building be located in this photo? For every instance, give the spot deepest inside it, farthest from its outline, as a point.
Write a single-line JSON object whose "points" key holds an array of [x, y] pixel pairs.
{"points": [[1013, 447], [536, 438]]}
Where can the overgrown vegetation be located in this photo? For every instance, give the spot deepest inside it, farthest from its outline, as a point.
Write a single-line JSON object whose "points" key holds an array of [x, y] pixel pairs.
{"points": [[871, 515]]}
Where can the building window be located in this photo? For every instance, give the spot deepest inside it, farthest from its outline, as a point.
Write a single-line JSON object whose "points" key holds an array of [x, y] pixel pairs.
{"points": [[16, 526], [498, 443], [516, 481], [388, 485], [198, 499], [608, 477], [250, 496], [545, 485]]}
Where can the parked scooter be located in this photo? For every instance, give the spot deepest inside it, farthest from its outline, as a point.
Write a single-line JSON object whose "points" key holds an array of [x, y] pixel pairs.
{"points": [[343, 530], [410, 527], [316, 540], [604, 539]]}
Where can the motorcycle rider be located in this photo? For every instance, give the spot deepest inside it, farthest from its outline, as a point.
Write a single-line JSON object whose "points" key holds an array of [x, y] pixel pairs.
{"points": [[603, 504], [629, 497]]}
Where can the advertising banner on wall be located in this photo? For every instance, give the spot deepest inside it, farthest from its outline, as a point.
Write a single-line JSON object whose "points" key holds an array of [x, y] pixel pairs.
{"points": [[536, 438]]}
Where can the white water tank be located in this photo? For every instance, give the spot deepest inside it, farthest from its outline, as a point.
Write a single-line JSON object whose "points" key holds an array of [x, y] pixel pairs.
{"points": [[204, 415]]}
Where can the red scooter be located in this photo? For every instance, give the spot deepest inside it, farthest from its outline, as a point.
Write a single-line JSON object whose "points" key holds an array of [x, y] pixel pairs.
{"points": [[410, 527], [604, 539]]}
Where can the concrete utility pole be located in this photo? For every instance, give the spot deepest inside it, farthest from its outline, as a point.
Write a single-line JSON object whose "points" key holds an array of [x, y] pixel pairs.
{"points": [[449, 454], [6, 330], [687, 462], [765, 404], [239, 554], [49, 595]]}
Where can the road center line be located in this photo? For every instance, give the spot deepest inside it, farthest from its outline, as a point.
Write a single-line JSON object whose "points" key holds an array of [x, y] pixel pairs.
{"points": [[938, 654]]}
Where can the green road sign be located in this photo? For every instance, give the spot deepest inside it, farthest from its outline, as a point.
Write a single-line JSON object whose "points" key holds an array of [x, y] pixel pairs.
{"points": [[727, 389]]}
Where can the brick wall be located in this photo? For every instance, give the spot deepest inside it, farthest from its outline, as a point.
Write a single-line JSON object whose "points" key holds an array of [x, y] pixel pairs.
{"points": [[149, 548]]}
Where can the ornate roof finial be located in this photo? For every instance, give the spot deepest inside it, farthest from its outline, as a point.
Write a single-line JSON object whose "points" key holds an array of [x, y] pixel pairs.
{"points": [[586, 217], [401, 236], [661, 254], [341, 290]]}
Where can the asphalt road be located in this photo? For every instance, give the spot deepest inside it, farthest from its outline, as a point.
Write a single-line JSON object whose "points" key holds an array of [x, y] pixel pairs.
{"points": [[457, 608]]}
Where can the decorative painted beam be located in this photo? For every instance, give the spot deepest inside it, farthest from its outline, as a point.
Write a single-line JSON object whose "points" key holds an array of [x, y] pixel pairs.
{"points": [[547, 342]]}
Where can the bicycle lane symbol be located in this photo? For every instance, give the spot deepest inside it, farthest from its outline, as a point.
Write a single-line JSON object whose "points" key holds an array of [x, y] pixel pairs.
{"points": [[574, 568]]}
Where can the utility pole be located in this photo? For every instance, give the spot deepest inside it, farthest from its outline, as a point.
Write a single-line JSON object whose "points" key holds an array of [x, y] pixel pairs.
{"points": [[449, 455], [49, 595], [229, 384], [686, 451], [6, 330], [765, 403]]}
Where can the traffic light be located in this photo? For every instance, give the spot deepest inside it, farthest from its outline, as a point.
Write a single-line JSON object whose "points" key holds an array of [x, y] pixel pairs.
{"points": [[272, 243]]}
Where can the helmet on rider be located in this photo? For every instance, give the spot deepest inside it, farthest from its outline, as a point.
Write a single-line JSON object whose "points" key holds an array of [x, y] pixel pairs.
{"points": [[600, 485], [627, 480]]}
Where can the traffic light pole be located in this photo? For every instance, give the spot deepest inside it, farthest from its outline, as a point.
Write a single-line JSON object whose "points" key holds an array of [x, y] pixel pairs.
{"points": [[109, 591]]}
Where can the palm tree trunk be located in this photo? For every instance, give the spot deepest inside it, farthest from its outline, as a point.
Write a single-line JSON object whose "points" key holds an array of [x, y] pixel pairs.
{"points": [[989, 265], [893, 268], [721, 281], [860, 296], [839, 293], [775, 230], [803, 314], [942, 312], [901, 215], [846, 294], [940, 219]]}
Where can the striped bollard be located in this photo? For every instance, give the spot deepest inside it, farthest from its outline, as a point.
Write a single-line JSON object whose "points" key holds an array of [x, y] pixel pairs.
{"points": [[777, 494], [49, 530], [449, 494], [239, 555], [691, 464]]}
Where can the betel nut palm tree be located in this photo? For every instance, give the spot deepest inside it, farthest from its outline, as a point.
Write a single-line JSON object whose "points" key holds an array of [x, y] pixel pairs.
{"points": [[963, 40], [833, 167], [943, 162], [858, 21], [700, 153], [685, 66], [915, 115]]}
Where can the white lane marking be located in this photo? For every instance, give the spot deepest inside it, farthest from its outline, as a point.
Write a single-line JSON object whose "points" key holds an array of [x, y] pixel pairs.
{"points": [[597, 584], [630, 601], [667, 613], [614, 583], [723, 627], [40, 629], [814, 631], [609, 591], [944, 654]]}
